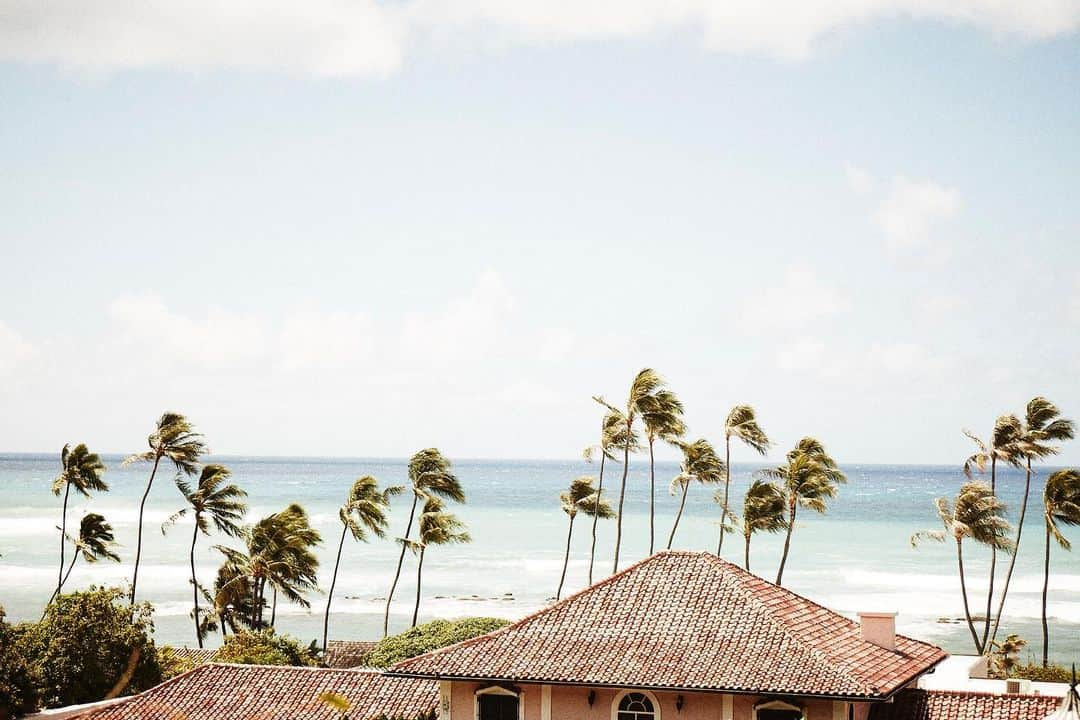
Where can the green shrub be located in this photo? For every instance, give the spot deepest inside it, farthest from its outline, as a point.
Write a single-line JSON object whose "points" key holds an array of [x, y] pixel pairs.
{"points": [[1035, 671], [18, 681], [429, 636], [264, 647], [173, 663]]}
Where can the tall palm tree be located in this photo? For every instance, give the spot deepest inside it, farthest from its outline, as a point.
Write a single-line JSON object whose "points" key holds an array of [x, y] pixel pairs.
{"points": [[976, 514], [364, 511], [435, 527], [1006, 445], [763, 511], [647, 383], [232, 597], [700, 463], [81, 469], [174, 440], [429, 476], [1043, 425], [1061, 505], [741, 424], [212, 500], [94, 543], [582, 496], [612, 434], [810, 478], [661, 415]]}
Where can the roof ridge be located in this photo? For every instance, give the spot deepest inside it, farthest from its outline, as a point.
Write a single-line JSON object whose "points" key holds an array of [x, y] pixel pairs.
{"points": [[358, 670]]}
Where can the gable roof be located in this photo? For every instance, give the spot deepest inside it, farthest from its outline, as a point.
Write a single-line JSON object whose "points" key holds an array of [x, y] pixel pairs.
{"points": [[264, 692], [689, 621], [963, 705], [348, 653]]}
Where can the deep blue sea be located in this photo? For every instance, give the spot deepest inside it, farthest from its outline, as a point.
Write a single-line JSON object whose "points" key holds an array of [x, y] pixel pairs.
{"points": [[856, 557]]}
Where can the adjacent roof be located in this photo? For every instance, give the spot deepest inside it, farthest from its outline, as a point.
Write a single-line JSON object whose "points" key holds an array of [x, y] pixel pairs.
{"points": [[348, 653], [956, 705], [685, 620], [196, 656], [262, 692]]}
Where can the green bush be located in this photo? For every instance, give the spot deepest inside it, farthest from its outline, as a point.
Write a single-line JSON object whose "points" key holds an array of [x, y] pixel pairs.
{"points": [[429, 636], [263, 647], [18, 681], [1035, 671]]}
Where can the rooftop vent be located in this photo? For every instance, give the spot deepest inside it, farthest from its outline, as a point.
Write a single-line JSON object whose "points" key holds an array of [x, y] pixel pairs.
{"points": [[879, 628]]}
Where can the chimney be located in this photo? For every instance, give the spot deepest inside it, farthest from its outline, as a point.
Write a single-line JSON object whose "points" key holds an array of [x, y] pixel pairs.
{"points": [[879, 628]]}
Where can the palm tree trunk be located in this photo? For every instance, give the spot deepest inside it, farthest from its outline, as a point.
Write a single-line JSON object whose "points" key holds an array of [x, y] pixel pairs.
{"points": [[333, 582], [566, 559], [419, 573], [678, 514], [400, 562], [56, 592], [727, 487], [622, 497], [138, 541], [993, 562], [194, 582], [273, 605], [746, 560], [792, 508], [63, 540], [1046, 586], [963, 592], [1016, 551], [652, 496], [596, 513]]}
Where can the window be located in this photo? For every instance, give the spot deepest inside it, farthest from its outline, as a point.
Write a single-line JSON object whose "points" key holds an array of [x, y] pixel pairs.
{"points": [[777, 710], [636, 706], [496, 703]]}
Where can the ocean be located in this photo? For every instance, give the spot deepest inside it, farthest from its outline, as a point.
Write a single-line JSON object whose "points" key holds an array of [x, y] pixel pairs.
{"points": [[856, 557]]}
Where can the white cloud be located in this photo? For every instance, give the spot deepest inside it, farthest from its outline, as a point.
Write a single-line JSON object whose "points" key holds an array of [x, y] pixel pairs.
{"points": [[800, 298], [363, 37], [911, 211], [318, 340], [801, 355], [880, 362], [14, 349], [859, 180]]}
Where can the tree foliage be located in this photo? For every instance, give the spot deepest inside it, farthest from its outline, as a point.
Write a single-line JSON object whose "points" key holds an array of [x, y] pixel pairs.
{"points": [[264, 647], [18, 681], [429, 636]]}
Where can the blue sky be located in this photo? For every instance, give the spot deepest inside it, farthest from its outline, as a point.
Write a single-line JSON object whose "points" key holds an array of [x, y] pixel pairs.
{"points": [[453, 230]]}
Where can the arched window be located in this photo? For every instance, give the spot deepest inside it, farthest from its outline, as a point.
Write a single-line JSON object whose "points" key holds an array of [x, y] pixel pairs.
{"points": [[636, 706], [497, 703], [777, 710]]}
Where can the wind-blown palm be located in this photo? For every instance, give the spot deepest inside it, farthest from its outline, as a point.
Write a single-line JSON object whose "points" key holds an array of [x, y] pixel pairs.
{"points": [[95, 542], [763, 511], [232, 598], [364, 511], [810, 477], [581, 497], [612, 436], [741, 424], [435, 527], [1061, 506], [429, 476], [977, 514], [174, 439], [700, 463], [82, 470], [1043, 426], [212, 500], [661, 414]]}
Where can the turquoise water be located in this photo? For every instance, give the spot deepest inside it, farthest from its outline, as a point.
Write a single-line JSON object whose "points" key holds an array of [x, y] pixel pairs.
{"points": [[857, 557]]}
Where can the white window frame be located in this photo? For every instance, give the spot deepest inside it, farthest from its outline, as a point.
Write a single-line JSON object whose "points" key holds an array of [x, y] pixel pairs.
{"points": [[499, 690], [619, 698], [779, 705]]}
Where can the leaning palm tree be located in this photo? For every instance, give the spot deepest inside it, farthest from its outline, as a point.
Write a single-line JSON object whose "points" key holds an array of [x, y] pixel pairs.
{"points": [[364, 511], [175, 440], [700, 463], [1043, 426], [429, 476], [435, 527], [81, 469], [231, 598], [612, 434], [582, 497], [741, 424], [214, 500], [763, 511], [1061, 506], [95, 542], [810, 478], [976, 514], [661, 415]]}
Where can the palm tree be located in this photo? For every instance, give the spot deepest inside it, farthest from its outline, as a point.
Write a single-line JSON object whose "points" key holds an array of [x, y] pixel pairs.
{"points": [[1061, 504], [763, 511], [435, 527], [81, 469], [1042, 426], [976, 514], [701, 463], [647, 383], [232, 597], [582, 497], [212, 500], [94, 543], [612, 433], [429, 476], [175, 440], [741, 424], [809, 477], [364, 511], [661, 414], [1006, 445]]}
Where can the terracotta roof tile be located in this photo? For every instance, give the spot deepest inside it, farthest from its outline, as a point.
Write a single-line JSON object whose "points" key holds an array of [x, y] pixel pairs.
{"points": [[347, 653], [691, 621], [950, 705]]}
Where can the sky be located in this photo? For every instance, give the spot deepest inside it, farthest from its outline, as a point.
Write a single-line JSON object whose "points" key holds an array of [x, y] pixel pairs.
{"points": [[359, 228]]}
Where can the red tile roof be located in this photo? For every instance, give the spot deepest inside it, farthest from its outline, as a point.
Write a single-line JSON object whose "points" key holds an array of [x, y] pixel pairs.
{"points": [[262, 692], [347, 653], [685, 620], [950, 705]]}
